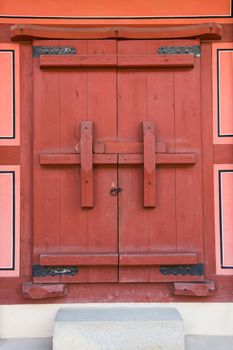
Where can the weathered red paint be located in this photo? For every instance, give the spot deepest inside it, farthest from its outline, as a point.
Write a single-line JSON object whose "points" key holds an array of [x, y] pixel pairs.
{"points": [[115, 291], [122, 105]]}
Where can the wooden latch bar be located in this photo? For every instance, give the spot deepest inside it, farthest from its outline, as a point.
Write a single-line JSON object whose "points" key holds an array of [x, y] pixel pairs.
{"points": [[149, 153], [86, 164], [149, 165]]}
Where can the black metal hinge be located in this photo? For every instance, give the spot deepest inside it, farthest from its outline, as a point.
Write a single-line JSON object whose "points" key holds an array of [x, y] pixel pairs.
{"points": [[193, 270], [53, 50], [180, 50], [42, 271]]}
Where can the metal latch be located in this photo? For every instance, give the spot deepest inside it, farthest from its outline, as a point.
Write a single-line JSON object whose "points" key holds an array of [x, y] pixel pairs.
{"points": [[42, 271], [115, 190], [193, 270], [53, 50], [180, 50]]}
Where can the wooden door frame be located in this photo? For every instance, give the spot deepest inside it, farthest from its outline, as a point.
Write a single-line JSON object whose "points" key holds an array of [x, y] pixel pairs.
{"points": [[11, 288]]}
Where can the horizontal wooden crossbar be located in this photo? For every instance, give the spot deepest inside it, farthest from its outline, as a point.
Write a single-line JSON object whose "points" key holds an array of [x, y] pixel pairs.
{"points": [[124, 147], [115, 259], [74, 159], [158, 259], [95, 61], [78, 259]]}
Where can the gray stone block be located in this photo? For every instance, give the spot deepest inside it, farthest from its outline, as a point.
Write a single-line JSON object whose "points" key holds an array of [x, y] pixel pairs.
{"points": [[118, 328]]}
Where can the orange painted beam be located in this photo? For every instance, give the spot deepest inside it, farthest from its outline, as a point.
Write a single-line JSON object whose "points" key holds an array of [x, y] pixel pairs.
{"points": [[105, 8]]}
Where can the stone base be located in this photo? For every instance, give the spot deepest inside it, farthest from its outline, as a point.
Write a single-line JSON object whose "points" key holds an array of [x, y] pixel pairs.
{"points": [[118, 328]]}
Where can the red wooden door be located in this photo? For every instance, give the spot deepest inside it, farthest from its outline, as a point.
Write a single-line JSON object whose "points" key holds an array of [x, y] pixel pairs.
{"points": [[117, 162]]}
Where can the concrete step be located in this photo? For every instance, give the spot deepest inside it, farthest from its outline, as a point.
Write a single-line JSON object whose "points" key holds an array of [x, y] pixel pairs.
{"points": [[118, 328], [26, 344], [192, 342]]}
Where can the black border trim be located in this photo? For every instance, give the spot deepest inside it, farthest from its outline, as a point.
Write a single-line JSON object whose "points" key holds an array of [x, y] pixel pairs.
{"points": [[13, 220], [221, 216], [121, 17], [115, 17], [13, 97], [218, 95]]}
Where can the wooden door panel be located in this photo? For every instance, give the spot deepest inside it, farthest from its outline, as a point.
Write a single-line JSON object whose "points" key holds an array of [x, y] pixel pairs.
{"points": [[76, 96], [135, 105], [160, 96], [117, 102]]}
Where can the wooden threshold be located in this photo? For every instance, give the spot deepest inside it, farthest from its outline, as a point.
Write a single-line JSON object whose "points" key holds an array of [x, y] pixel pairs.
{"points": [[210, 31]]}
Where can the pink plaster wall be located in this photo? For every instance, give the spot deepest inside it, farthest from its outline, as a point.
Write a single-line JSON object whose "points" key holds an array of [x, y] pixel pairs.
{"points": [[223, 83], [9, 94], [9, 221], [224, 218]]}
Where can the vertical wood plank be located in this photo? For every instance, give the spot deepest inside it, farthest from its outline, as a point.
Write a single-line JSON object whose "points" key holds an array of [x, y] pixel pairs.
{"points": [[26, 158], [162, 231], [149, 165], [189, 190], [73, 109], [46, 181], [132, 110], [102, 110], [84, 230], [86, 164], [207, 144]]}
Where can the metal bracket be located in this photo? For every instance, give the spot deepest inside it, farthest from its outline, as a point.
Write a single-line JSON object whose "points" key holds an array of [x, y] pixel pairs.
{"points": [[180, 50], [42, 271], [53, 50], [193, 270]]}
